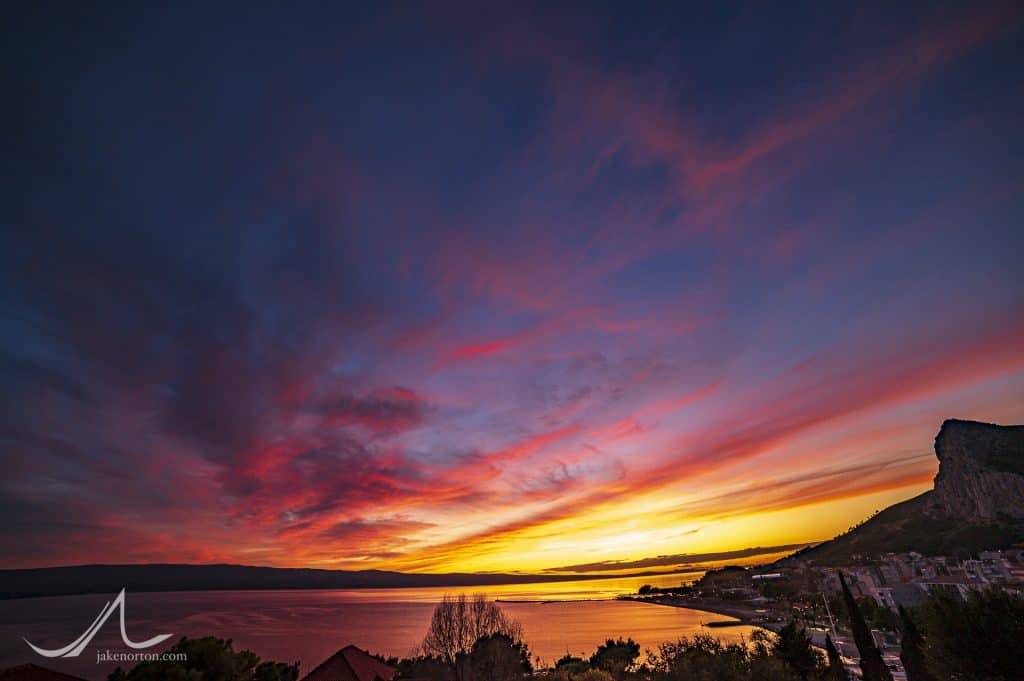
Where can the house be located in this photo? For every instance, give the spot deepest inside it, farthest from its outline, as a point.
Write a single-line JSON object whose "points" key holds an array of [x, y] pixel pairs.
{"points": [[952, 583], [883, 595], [351, 664], [765, 577], [908, 595], [32, 672]]}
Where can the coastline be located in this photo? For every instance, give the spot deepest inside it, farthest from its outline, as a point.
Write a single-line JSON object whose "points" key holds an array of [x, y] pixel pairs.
{"points": [[744, 614]]}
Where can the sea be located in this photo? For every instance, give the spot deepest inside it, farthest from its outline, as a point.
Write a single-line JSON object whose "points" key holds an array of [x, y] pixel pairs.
{"points": [[308, 626]]}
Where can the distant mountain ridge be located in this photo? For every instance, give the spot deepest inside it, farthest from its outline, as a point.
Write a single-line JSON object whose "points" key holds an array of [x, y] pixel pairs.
{"points": [[977, 502], [83, 579]]}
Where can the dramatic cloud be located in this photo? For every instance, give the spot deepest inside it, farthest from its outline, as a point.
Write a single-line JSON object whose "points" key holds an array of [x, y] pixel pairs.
{"points": [[504, 291], [677, 560]]}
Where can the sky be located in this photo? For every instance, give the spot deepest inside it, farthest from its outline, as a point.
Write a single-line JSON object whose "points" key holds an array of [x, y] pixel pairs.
{"points": [[467, 288]]}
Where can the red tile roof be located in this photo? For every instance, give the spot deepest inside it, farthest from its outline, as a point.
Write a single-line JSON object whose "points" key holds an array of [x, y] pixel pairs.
{"points": [[31, 672], [351, 664]]}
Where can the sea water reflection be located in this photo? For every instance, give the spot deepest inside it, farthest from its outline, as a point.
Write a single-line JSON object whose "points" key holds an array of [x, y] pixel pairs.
{"points": [[311, 625]]}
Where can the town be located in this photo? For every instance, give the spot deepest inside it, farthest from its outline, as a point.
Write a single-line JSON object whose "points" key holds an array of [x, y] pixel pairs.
{"points": [[799, 590]]}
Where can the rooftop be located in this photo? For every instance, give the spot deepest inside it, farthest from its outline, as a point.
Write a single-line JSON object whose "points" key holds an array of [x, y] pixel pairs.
{"points": [[32, 672], [351, 664]]}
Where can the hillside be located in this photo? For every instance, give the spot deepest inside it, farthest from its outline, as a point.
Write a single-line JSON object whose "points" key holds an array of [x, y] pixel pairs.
{"points": [[977, 502], [907, 527]]}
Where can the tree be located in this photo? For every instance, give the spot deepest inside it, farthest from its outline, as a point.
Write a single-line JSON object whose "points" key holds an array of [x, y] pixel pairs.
{"points": [[879, 616], [706, 658], [837, 606], [978, 638], [587, 674], [497, 658], [836, 670], [458, 623], [871, 663], [793, 647], [572, 664], [208, 659], [615, 656], [592, 675], [429, 668], [912, 650]]}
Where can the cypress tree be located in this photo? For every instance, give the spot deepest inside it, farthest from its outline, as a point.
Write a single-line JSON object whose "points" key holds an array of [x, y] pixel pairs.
{"points": [[871, 663], [912, 650], [836, 670]]}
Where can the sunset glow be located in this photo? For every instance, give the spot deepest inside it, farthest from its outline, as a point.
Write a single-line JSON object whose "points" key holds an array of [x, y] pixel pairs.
{"points": [[515, 292]]}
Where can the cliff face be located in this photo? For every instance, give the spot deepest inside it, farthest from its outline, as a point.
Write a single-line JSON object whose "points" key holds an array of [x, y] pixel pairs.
{"points": [[977, 503], [981, 471]]}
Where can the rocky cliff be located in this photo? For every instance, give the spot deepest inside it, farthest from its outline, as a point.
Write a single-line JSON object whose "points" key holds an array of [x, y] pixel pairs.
{"points": [[977, 502], [981, 471]]}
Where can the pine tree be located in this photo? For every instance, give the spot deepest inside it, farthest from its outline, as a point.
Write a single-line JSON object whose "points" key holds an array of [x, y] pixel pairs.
{"points": [[912, 650], [871, 663], [836, 670]]}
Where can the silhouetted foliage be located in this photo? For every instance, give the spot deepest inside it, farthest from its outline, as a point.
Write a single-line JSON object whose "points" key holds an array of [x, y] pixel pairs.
{"points": [[977, 639], [871, 663], [879, 616], [648, 590], [837, 606], [572, 664], [458, 623], [836, 670], [706, 658], [793, 646], [496, 658], [946, 638], [729, 576], [912, 650], [209, 659], [584, 675], [616, 656], [781, 588], [429, 668], [390, 660]]}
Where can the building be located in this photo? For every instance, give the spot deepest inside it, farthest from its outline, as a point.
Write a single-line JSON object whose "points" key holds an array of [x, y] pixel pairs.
{"points": [[890, 575], [350, 664], [766, 577], [953, 583], [883, 595]]}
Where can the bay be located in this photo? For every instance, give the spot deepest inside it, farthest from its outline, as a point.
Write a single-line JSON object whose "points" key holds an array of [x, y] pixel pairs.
{"points": [[310, 625]]}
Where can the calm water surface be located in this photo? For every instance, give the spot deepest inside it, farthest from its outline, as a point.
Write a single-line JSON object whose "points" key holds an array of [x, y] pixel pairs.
{"points": [[309, 626]]}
